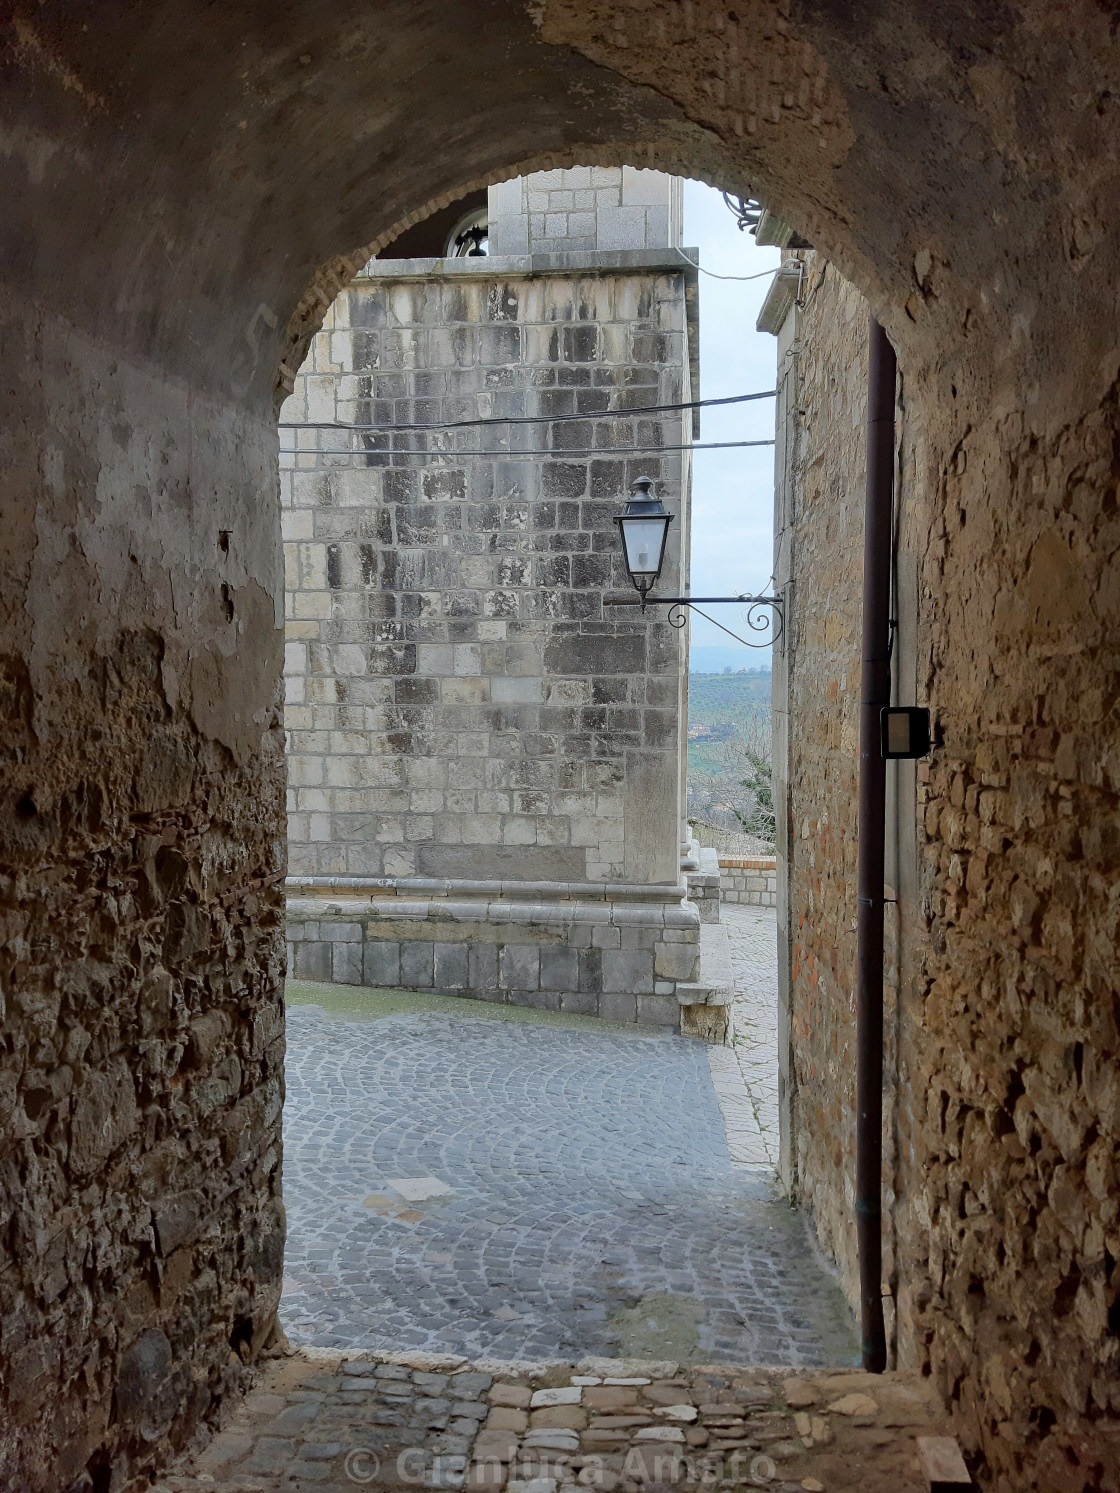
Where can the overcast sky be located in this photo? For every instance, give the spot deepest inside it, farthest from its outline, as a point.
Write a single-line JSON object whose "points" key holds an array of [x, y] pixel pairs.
{"points": [[732, 491]]}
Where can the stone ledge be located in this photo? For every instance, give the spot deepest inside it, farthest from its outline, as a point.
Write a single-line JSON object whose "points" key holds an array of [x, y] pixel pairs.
{"points": [[716, 984], [400, 909], [508, 266], [439, 886]]}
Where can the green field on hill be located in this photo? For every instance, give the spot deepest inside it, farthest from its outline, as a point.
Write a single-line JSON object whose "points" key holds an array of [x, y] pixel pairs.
{"points": [[721, 702]]}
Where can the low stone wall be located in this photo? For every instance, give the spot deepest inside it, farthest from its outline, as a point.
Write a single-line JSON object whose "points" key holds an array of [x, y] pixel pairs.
{"points": [[610, 951], [754, 882]]}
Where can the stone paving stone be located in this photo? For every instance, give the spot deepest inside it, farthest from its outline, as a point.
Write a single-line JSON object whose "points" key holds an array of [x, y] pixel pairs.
{"points": [[592, 1198], [814, 1432], [753, 936]]}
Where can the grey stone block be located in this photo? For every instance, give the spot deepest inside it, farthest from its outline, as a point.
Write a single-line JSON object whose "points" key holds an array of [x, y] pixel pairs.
{"points": [[346, 963], [536, 1000], [313, 962], [519, 966], [559, 969], [483, 966], [659, 1010], [677, 961], [417, 961], [615, 1006], [591, 970], [629, 970], [451, 966], [341, 932], [579, 1002], [382, 963]]}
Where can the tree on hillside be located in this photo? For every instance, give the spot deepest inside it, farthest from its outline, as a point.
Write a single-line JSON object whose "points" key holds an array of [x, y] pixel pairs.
{"points": [[737, 793]]}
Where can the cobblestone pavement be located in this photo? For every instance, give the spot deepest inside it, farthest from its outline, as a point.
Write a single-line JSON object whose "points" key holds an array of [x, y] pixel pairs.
{"points": [[525, 1189], [422, 1422], [745, 1076]]}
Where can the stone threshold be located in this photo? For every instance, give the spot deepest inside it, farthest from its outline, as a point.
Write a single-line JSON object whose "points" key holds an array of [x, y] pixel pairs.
{"points": [[336, 1420]]}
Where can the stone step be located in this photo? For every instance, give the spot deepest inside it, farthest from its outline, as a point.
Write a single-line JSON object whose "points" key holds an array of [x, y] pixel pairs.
{"points": [[704, 883], [716, 984]]}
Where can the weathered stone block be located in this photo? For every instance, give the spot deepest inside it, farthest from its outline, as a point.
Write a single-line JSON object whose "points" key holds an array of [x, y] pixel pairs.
{"points": [[312, 961], [629, 970], [559, 969], [659, 1010], [519, 967], [676, 961], [617, 1006], [483, 967], [346, 963], [417, 965], [451, 966]]}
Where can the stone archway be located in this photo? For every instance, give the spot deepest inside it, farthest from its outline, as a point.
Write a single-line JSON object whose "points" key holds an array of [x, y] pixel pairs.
{"points": [[182, 196]]}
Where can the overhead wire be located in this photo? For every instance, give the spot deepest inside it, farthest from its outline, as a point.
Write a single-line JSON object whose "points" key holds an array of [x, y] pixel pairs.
{"points": [[507, 455], [642, 409]]}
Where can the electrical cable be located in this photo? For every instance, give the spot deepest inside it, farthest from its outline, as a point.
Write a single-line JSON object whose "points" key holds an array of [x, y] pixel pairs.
{"points": [[641, 409], [741, 278], [561, 452]]}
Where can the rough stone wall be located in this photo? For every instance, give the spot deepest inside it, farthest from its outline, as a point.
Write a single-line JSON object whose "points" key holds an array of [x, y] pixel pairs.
{"points": [[1000, 1141], [822, 378], [141, 928], [460, 704]]}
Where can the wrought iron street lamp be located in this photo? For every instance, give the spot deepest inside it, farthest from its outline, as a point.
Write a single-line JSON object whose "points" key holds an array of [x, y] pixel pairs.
{"points": [[644, 527]]}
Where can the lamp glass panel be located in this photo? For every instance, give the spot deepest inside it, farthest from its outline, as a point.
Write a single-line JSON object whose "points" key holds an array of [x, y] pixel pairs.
{"points": [[644, 539]]}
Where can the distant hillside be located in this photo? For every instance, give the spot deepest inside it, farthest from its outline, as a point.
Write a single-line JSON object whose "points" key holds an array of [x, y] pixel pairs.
{"points": [[713, 658], [717, 704]]}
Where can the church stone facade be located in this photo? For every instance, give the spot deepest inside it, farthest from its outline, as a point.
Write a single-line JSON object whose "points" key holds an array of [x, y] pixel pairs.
{"points": [[485, 763]]}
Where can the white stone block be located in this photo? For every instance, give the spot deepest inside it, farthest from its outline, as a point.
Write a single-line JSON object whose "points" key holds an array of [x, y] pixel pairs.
{"points": [[467, 658], [510, 235], [435, 659], [520, 690], [646, 188]]}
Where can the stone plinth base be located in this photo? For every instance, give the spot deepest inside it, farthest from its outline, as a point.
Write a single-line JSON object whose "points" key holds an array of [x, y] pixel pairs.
{"points": [[704, 883], [596, 950]]}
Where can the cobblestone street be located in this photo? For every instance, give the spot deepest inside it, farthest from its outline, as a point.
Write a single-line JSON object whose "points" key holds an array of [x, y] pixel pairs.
{"points": [[503, 1183], [332, 1422], [745, 1075]]}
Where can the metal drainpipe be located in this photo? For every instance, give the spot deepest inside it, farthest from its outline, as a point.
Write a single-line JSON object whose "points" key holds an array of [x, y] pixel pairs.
{"points": [[875, 692]]}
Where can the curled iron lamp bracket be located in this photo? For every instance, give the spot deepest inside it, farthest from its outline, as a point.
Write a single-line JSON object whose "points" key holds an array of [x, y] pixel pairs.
{"points": [[754, 614]]}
